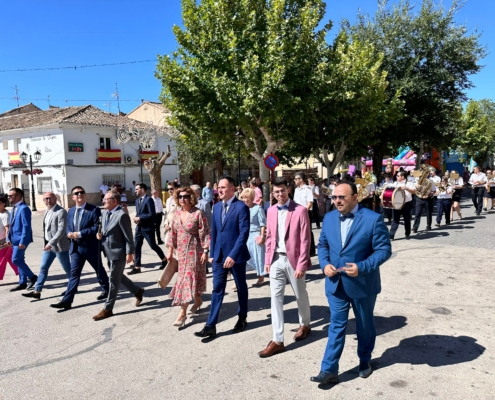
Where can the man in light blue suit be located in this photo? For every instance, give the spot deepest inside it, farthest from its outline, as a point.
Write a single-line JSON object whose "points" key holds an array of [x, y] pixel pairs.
{"points": [[354, 242], [228, 252], [19, 237]]}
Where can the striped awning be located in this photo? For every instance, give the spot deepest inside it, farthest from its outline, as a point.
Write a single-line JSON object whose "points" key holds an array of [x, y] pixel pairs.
{"points": [[109, 156], [15, 158], [145, 155]]}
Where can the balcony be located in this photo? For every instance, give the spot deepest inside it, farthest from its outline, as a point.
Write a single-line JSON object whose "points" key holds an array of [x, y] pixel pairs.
{"points": [[108, 156]]}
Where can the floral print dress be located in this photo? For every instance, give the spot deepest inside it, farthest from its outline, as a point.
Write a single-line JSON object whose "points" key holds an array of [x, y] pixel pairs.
{"points": [[189, 238]]}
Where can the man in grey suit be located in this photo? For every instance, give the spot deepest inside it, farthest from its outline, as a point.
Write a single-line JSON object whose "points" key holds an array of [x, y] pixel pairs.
{"points": [[116, 230], [56, 242]]}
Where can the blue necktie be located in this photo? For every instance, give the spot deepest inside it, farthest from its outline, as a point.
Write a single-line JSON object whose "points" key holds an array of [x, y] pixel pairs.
{"points": [[224, 211], [78, 212], [284, 207], [108, 219], [344, 217]]}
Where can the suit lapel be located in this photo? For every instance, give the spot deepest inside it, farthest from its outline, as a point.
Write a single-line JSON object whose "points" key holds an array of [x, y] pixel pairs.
{"points": [[54, 209], [290, 211], [336, 222], [229, 211], [355, 223]]}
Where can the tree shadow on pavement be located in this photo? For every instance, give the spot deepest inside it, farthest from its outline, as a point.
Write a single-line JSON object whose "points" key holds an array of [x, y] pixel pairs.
{"points": [[432, 350]]}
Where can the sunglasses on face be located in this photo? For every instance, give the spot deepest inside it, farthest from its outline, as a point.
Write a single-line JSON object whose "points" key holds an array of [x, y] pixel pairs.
{"points": [[79, 193], [170, 189], [338, 197], [185, 196]]}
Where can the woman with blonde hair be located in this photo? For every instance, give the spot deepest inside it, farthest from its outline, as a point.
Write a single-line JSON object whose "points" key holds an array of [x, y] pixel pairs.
{"points": [[256, 240], [190, 237]]}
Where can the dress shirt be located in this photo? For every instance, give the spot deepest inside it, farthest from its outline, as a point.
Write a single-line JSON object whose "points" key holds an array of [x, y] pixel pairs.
{"points": [[48, 215], [481, 177], [76, 223], [303, 195], [229, 202], [447, 194], [103, 189], [15, 208], [314, 190], [410, 185], [158, 205], [436, 179], [458, 182], [207, 194], [345, 226], [281, 217]]}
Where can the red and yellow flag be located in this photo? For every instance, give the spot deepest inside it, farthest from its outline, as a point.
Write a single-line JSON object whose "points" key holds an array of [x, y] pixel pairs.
{"points": [[109, 155], [14, 158], [146, 155]]}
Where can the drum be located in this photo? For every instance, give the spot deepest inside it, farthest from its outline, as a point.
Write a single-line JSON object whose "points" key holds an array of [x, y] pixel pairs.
{"points": [[393, 198]]}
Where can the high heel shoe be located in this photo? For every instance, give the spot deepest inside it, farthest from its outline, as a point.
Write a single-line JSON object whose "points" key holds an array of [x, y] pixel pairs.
{"points": [[195, 308], [460, 216], [180, 322]]}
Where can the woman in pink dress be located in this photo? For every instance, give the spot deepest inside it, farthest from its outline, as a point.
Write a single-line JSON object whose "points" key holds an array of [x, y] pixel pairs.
{"points": [[258, 195], [190, 236], [5, 251]]}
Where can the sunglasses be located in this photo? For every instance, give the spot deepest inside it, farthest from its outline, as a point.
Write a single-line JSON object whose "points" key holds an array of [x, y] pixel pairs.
{"points": [[338, 197], [79, 193], [185, 196], [170, 190]]}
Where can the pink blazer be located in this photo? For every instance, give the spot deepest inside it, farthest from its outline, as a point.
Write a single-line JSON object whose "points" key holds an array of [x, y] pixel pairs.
{"points": [[297, 236]]}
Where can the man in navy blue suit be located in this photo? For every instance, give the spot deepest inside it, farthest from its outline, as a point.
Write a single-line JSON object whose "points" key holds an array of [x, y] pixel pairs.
{"points": [[228, 252], [19, 237], [82, 226], [354, 242], [145, 228]]}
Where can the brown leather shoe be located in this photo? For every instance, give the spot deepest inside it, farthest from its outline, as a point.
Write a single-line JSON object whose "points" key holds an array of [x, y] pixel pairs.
{"points": [[302, 333], [272, 349], [102, 315], [139, 297]]}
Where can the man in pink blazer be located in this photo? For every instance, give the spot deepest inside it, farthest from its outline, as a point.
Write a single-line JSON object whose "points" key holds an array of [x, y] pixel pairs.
{"points": [[287, 257]]}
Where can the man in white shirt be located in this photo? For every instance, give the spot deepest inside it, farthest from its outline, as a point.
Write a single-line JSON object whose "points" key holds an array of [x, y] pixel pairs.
{"points": [[158, 214], [315, 212], [444, 201], [103, 190], [409, 189], [478, 181], [304, 197]]}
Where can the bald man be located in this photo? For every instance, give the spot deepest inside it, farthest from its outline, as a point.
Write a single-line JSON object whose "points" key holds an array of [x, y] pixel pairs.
{"points": [[56, 242]]}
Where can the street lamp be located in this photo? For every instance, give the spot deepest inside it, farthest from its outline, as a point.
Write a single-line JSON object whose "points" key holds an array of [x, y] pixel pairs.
{"points": [[37, 157], [239, 135]]}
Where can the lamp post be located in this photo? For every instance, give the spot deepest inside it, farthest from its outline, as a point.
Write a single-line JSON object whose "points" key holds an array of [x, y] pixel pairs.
{"points": [[37, 157], [239, 135]]}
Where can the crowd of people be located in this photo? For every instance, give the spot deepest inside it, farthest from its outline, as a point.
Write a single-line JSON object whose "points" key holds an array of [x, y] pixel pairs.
{"points": [[230, 229]]}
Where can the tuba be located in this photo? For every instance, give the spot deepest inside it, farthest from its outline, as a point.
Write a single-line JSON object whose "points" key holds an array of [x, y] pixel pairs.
{"points": [[423, 187], [362, 191]]}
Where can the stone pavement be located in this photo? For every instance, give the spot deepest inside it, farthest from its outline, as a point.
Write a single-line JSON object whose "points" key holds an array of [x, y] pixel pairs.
{"points": [[434, 319]]}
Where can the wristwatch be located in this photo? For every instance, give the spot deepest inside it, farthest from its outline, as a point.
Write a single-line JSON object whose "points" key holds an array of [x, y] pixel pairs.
{"points": [[206, 251]]}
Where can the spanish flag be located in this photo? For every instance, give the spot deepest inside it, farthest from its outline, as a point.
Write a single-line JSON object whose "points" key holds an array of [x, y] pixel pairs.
{"points": [[146, 155], [110, 156], [14, 158]]}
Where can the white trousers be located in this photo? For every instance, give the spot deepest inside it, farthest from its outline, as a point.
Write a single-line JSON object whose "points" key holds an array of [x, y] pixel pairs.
{"points": [[280, 271]]}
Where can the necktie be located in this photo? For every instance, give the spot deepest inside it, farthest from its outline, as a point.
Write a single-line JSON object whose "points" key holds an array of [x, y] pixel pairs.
{"points": [[140, 203], [108, 219], [284, 207], [344, 217], [224, 211], [78, 213], [13, 214]]}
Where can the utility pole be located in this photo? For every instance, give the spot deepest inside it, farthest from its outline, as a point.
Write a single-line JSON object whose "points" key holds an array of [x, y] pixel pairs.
{"points": [[16, 97]]}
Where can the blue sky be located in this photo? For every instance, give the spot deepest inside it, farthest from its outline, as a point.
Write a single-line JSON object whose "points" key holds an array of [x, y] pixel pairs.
{"points": [[56, 33]]}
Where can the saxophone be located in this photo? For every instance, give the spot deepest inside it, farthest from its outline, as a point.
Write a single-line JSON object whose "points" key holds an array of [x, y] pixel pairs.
{"points": [[423, 187], [362, 191]]}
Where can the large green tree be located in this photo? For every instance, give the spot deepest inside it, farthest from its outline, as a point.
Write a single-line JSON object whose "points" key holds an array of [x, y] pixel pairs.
{"points": [[430, 58], [255, 64]]}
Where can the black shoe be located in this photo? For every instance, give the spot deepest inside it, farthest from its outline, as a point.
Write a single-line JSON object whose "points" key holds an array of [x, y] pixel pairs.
{"points": [[364, 369], [164, 264], [415, 230], [325, 377], [392, 237], [161, 242], [22, 286], [64, 292], [437, 225], [34, 295], [32, 282], [240, 325], [134, 271], [484, 209], [428, 228], [131, 266], [62, 304], [408, 237], [207, 331], [478, 214], [102, 296]]}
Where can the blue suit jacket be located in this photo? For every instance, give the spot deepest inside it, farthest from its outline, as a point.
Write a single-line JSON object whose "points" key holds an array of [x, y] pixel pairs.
{"points": [[88, 228], [20, 231], [229, 239], [146, 214], [367, 244]]}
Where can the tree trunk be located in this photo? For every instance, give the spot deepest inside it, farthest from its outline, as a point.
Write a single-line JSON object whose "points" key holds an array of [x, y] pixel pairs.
{"points": [[154, 167], [378, 154], [337, 158], [419, 155], [219, 164]]}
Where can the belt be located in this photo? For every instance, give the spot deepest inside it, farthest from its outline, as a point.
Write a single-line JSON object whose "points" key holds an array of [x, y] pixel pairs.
{"points": [[281, 253]]}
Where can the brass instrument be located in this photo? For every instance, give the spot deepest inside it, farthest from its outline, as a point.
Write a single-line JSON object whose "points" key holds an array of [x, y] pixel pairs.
{"points": [[362, 191], [488, 179], [326, 190], [423, 187]]}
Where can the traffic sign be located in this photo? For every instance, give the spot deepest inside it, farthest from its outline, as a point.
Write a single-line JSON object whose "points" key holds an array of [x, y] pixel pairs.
{"points": [[271, 161]]}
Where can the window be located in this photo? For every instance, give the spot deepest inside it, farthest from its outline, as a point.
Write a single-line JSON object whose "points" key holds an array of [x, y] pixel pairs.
{"points": [[5, 144], [145, 178], [105, 143], [44, 185], [112, 179]]}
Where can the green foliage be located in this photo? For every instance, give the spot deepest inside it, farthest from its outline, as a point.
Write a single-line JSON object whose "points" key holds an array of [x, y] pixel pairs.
{"points": [[477, 137]]}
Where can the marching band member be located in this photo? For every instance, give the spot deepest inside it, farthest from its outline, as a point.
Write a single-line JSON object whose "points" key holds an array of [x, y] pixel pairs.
{"points": [[489, 190], [387, 212], [444, 201], [424, 203], [478, 181], [409, 189], [457, 185]]}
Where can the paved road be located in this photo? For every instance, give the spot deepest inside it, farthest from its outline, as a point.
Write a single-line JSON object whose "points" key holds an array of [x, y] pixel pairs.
{"points": [[434, 318]]}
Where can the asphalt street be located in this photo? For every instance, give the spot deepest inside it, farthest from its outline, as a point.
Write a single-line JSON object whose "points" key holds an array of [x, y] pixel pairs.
{"points": [[434, 319]]}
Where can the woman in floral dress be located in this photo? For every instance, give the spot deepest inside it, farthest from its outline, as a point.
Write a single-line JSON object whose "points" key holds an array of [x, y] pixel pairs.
{"points": [[190, 236]]}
